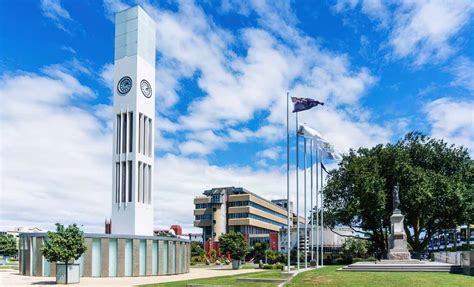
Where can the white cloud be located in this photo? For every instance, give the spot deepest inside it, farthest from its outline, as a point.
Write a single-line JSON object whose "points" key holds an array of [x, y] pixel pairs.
{"points": [[52, 9], [56, 160], [236, 87], [377, 10], [113, 6], [55, 155], [453, 120], [463, 71], [423, 30], [419, 30], [107, 75], [272, 153]]}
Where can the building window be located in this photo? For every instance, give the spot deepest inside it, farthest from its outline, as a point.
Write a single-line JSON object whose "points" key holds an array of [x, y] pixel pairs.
{"points": [[140, 132], [129, 172], [150, 140], [143, 137], [96, 257], [112, 257], [149, 184], [130, 129], [119, 129], [140, 184], [145, 183], [124, 133], [124, 181], [117, 182], [204, 217]]}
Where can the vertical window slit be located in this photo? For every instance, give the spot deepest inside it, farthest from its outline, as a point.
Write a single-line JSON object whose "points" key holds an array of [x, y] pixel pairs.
{"points": [[129, 181], [130, 131], [124, 186], [140, 184]]}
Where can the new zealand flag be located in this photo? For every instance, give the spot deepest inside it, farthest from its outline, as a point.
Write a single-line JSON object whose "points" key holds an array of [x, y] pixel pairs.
{"points": [[303, 104]]}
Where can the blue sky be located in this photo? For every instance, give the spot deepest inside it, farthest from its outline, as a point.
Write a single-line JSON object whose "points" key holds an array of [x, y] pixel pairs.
{"points": [[383, 68]]}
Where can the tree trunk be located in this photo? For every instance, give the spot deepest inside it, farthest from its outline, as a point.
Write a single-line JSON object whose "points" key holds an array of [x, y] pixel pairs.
{"points": [[66, 272]]}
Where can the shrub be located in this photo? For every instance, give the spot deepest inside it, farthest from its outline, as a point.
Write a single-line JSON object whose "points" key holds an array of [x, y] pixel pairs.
{"points": [[273, 266], [340, 261], [233, 243], [8, 245]]}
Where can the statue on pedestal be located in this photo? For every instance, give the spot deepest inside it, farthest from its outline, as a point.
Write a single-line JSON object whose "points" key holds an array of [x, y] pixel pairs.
{"points": [[396, 199], [398, 239]]}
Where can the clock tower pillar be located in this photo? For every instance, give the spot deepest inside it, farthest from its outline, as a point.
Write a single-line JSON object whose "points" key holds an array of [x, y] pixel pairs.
{"points": [[134, 123]]}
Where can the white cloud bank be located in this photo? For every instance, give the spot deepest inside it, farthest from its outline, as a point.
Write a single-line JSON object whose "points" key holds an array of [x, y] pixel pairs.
{"points": [[53, 10], [452, 120], [236, 87], [419, 30], [56, 160]]}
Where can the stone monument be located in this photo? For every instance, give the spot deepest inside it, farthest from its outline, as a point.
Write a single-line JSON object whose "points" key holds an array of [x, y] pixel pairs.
{"points": [[398, 238]]}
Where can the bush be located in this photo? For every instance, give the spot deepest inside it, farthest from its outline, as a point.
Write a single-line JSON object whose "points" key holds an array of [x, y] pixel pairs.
{"points": [[233, 243], [8, 245], [198, 259], [340, 261], [197, 249], [273, 266]]}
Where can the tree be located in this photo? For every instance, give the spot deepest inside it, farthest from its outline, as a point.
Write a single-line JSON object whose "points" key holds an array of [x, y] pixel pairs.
{"points": [[64, 245], [355, 247], [258, 250], [196, 249], [272, 256], [233, 243], [436, 189], [8, 246]]}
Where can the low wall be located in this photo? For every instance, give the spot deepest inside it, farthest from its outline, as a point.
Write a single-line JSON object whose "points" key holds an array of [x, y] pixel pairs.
{"points": [[463, 258], [448, 257], [467, 262], [110, 255]]}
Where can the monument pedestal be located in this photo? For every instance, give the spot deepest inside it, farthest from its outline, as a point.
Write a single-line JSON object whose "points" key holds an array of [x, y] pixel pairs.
{"points": [[398, 239]]}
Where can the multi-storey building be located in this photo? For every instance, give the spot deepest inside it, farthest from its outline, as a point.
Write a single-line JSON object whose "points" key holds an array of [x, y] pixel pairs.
{"points": [[221, 210]]}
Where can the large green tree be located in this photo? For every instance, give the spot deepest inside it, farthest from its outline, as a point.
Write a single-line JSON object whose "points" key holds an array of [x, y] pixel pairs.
{"points": [[436, 189], [8, 245], [234, 244]]}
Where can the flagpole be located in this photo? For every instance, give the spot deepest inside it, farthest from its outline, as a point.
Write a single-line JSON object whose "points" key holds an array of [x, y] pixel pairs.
{"points": [[317, 210], [288, 232], [322, 215], [312, 204], [305, 214], [297, 201]]}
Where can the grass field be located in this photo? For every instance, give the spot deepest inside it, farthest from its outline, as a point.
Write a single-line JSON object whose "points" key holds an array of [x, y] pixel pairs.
{"points": [[228, 280], [328, 276]]}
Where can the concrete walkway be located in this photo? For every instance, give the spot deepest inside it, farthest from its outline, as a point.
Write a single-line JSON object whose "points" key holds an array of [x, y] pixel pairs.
{"points": [[12, 278]]}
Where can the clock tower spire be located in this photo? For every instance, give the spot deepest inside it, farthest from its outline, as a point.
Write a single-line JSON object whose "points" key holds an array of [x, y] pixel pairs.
{"points": [[134, 122]]}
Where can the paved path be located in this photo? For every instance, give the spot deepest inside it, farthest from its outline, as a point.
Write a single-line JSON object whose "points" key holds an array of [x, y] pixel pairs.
{"points": [[14, 279]]}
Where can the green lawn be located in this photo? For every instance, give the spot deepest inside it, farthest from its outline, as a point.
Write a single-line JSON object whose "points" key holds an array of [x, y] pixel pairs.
{"points": [[328, 276], [229, 280]]}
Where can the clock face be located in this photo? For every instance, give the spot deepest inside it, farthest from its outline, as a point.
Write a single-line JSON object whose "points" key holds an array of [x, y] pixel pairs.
{"points": [[124, 85], [146, 88]]}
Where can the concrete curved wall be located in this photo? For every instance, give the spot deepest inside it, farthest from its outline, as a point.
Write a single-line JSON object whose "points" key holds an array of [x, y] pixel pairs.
{"points": [[110, 255]]}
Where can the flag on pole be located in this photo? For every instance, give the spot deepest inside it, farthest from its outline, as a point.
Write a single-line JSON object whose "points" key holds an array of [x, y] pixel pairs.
{"points": [[303, 104], [312, 134], [324, 168]]}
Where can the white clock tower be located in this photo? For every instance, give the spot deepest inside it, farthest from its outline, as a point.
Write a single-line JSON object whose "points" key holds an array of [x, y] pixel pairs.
{"points": [[134, 116]]}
